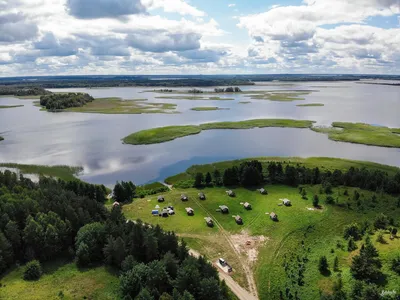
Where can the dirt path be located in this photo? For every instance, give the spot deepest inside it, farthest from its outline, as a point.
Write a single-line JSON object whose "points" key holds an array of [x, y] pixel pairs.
{"points": [[241, 293], [248, 272]]}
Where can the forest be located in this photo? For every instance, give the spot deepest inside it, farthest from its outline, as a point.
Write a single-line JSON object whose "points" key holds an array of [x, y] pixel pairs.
{"points": [[23, 90], [42, 221], [55, 102]]}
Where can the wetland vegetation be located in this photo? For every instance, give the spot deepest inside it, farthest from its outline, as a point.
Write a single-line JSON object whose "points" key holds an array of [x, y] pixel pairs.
{"points": [[9, 106], [169, 133], [310, 104]]}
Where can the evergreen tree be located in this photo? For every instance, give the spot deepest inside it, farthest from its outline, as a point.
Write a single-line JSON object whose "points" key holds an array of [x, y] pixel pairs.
{"points": [[336, 264], [351, 245], [366, 266], [198, 180], [208, 179], [316, 201], [323, 266]]}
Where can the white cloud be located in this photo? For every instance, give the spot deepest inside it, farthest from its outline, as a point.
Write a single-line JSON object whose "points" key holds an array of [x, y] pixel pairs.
{"points": [[174, 6], [231, 5]]}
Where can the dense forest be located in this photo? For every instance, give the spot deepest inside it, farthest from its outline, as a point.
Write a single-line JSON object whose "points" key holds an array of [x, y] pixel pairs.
{"points": [[250, 174], [55, 102], [52, 218], [23, 90]]}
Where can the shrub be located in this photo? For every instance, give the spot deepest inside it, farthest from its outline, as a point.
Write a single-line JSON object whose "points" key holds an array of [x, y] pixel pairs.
{"points": [[352, 230], [380, 237], [351, 246], [330, 200], [33, 270]]}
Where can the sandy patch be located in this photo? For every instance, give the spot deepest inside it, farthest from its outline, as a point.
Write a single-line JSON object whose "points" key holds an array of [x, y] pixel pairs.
{"points": [[248, 245]]}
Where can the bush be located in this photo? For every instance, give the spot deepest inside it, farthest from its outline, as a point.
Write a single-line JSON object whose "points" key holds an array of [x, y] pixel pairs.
{"points": [[380, 237], [33, 270], [330, 200], [352, 230]]}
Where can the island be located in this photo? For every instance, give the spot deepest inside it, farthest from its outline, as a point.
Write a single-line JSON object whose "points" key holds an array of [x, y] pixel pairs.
{"points": [[207, 108], [310, 104], [9, 106], [169, 133], [84, 103]]}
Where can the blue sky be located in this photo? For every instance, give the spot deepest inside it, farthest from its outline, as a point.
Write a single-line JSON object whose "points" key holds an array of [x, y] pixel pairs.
{"points": [[45, 37]]}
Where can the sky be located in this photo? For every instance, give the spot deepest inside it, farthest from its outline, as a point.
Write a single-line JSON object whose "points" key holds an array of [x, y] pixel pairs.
{"points": [[104, 37]]}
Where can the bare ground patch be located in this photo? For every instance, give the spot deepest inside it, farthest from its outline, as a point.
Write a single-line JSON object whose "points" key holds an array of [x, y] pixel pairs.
{"points": [[248, 245]]}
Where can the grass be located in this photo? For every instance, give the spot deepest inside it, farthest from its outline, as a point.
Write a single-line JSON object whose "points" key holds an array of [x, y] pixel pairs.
{"points": [[63, 172], [310, 104], [207, 108], [361, 133], [323, 163], [118, 106], [319, 229], [62, 279], [244, 102], [9, 106], [169, 133]]}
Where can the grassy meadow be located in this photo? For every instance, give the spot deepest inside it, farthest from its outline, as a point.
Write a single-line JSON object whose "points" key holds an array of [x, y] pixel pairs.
{"points": [[361, 133], [63, 172], [321, 230], [169, 133], [61, 280]]}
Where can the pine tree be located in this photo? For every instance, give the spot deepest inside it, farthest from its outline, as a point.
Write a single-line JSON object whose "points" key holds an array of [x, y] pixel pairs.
{"points": [[208, 178], [336, 264]]}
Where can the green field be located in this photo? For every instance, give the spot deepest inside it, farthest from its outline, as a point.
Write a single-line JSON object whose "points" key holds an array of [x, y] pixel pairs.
{"points": [[324, 163], [207, 108], [61, 281], [361, 133], [63, 172], [9, 106], [169, 133], [310, 104], [274, 242], [119, 106]]}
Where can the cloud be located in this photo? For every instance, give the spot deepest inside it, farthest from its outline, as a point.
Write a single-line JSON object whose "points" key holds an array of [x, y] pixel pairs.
{"points": [[204, 55], [163, 41], [174, 6], [93, 9], [15, 28], [49, 45], [231, 5]]}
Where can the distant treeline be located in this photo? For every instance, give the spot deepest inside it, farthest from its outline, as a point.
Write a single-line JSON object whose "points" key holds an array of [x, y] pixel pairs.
{"points": [[177, 80], [228, 90], [249, 174], [54, 102], [52, 218], [23, 91]]}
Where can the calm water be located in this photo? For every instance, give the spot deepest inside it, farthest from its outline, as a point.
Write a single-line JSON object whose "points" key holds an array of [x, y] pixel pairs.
{"points": [[94, 140]]}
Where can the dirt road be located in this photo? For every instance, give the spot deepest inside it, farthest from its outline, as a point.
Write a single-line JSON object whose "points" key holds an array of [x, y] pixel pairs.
{"points": [[240, 292], [248, 272]]}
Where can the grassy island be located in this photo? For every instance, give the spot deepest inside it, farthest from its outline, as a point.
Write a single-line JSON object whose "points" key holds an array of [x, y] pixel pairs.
{"points": [[310, 104], [169, 133], [9, 106], [1, 138], [207, 108], [118, 106], [361, 133]]}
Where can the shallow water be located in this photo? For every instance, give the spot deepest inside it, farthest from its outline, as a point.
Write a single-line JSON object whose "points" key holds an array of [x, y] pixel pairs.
{"points": [[94, 140]]}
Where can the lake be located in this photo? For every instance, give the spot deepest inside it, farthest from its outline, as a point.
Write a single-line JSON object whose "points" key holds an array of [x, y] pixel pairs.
{"points": [[93, 141]]}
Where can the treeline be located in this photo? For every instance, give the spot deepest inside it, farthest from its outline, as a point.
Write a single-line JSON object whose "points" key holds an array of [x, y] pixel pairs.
{"points": [[56, 102], [23, 91], [228, 90], [252, 173], [52, 218], [41, 220]]}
